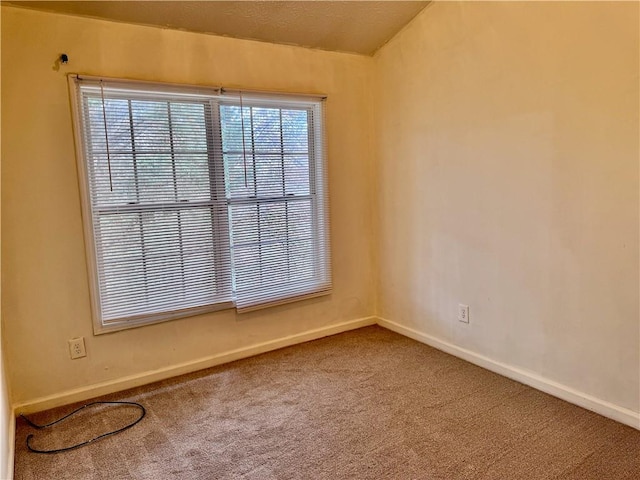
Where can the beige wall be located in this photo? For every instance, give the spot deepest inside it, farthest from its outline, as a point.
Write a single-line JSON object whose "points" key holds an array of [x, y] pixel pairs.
{"points": [[507, 141], [506, 137], [45, 290], [6, 412]]}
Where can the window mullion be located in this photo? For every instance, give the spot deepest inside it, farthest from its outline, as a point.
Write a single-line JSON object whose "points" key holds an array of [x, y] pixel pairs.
{"points": [[219, 221]]}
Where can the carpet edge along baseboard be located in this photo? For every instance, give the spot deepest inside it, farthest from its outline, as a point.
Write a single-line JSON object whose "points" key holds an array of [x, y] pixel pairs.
{"points": [[571, 395], [581, 399], [132, 381]]}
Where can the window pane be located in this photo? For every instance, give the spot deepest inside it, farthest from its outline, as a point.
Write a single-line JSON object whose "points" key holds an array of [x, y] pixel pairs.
{"points": [[269, 180], [276, 238], [188, 127], [150, 125], [155, 177], [118, 172], [245, 228], [192, 177], [296, 174], [158, 151], [301, 259], [300, 220], [198, 252], [122, 261], [266, 130], [162, 259], [276, 143], [240, 181], [247, 265], [295, 131], [155, 260], [231, 127], [118, 125], [273, 222], [274, 258]]}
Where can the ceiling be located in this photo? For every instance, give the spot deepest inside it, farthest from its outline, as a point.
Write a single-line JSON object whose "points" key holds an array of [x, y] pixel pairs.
{"points": [[344, 26]]}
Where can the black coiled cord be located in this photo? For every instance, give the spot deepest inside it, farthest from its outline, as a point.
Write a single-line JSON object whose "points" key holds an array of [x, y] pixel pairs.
{"points": [[73, 447]]}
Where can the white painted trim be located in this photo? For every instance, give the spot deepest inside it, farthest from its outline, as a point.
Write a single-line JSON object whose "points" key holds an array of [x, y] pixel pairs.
{"points": [[11, 438], [602, 407], [111, 386], [85, 204]]}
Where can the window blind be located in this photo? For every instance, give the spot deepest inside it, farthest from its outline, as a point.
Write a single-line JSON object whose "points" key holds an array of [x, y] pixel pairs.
{"points": [[196, 200], [277, 200]]}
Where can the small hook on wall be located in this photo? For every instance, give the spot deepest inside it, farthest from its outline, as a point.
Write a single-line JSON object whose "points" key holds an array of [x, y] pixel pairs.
{"points": [[62, 59]]}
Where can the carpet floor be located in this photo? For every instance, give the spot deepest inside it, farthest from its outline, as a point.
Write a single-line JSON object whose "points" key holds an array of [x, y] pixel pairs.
{"points": [[366, 404]]}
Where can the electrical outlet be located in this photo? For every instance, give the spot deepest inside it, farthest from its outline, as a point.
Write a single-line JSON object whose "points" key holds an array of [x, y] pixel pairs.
{"points": [[463, 313], [76, 348]]}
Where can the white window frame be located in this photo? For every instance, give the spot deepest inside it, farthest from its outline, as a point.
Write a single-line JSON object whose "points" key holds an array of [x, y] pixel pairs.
{"points": [[218, 96]]}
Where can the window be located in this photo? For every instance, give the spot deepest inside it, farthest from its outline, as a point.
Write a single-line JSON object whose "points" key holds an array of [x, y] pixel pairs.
{"points": [[199, 199]]}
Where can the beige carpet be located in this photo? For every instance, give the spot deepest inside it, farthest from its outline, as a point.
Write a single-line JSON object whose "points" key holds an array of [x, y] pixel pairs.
{"points": [[364, 404]]}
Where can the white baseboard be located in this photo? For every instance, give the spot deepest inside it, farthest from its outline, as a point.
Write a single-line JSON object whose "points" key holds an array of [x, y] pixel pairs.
{"points": [[602, 407], [104, 388], [11, 439]]}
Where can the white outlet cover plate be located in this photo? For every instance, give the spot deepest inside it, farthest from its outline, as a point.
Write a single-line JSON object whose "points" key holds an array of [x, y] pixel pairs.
{"points": [[77, 348], [463, 313]]}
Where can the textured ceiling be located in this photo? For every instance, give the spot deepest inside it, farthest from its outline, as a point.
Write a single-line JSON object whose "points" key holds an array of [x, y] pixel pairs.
{"points": [[344, 26]]}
